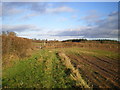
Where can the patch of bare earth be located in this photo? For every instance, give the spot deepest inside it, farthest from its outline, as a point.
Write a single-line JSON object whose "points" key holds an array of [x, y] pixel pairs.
{"points": [[101, 72]]}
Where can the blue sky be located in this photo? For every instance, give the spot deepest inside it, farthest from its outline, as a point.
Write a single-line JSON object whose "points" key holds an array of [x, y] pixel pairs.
{"points": [[56, 20]]}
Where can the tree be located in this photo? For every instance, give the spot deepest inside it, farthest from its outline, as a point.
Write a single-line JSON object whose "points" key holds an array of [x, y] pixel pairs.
{"points": [[11, 34], [4, 33]]}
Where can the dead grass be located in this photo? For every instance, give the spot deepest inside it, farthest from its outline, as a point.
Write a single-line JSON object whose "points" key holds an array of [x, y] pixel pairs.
{"points": [[75, 75]]}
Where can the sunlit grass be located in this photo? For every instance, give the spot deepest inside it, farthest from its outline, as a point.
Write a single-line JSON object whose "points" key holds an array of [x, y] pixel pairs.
{"points": [[42, 70], [89, 51]]}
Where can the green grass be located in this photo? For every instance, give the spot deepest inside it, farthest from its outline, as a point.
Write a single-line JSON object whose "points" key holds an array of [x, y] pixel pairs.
{"points": [[42, 70], [88, 51]]}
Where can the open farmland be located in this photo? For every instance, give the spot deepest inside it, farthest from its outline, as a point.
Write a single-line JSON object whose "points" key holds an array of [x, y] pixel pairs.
{"points": [[60, 44], [98, 66], [97, 69], [66, 65]]}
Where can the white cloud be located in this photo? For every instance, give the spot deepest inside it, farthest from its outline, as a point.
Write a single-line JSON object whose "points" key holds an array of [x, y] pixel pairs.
{"points": [[62, 19], [105, 28], [59, 9], [32, 9], [29, 16], [91, 17], [18, 28], [12, 11], [74, 16]]}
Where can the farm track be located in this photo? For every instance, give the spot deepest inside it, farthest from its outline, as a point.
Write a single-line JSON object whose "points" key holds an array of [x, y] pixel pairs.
{"points": [[44, 70], [97, 70]]}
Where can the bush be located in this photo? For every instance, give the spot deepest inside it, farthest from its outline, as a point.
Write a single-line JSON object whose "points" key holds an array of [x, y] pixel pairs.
{"points": [[11, 44]]}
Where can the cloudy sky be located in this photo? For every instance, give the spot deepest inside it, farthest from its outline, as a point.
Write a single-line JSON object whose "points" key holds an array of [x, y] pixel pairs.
{"points": [[61, 20]]}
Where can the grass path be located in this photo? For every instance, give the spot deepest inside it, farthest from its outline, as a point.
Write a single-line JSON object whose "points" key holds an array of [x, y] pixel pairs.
{"points": [[43, 70]]}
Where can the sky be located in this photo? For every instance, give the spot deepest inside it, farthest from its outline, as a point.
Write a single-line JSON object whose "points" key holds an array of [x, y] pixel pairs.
{"points": [[61, 20]]}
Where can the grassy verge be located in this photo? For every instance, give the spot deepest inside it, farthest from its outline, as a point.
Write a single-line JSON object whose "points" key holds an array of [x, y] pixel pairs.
{"points": [[42, 70]]}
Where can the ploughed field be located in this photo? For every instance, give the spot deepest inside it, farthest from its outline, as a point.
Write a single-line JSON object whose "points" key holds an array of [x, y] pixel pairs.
{"points": [[65, 66], [97, 69]]}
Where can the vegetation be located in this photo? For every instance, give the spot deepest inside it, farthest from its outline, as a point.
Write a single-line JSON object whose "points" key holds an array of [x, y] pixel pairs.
{"points": [[92, 41], [42, 70], [13, 46], [78, 63], [75, 40]]}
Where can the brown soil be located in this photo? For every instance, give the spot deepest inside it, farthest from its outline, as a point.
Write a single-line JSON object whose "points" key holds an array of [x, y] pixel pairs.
{"points": [[100, 72]]}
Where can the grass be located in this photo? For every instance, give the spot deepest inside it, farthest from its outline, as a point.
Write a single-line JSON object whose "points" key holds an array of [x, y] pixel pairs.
{"points": [[74, 72], [88, 51], [42, 70]]}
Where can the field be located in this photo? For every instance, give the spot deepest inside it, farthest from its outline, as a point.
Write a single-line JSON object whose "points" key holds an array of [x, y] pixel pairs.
{"points": [[65, 65], [59, 44]]}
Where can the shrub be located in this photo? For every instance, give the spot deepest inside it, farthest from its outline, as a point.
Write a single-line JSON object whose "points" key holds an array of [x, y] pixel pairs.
{"points": [[11, 44]]}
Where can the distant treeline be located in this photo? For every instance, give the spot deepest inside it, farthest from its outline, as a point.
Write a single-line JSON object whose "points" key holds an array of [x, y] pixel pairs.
{"points": [[98, 40], [44, 41], [77, 40]]}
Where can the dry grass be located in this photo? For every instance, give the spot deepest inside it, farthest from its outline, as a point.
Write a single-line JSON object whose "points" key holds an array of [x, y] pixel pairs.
{"points": [[14, 47], [75, 75]]}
